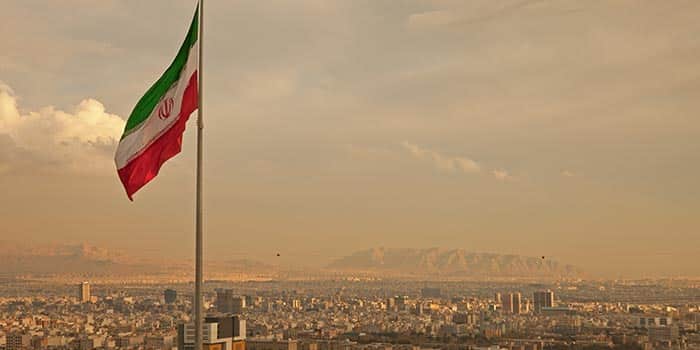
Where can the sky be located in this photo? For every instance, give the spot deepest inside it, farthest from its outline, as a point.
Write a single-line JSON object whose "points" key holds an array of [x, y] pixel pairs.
{"points": [[567, 129]]}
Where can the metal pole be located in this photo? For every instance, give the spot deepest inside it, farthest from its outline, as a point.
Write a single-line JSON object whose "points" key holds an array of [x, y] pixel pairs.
{"points": [[200, 149]]}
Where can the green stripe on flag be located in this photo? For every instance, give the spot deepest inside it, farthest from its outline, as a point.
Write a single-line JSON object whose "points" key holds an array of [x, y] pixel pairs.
{"points": [[149, 101]]}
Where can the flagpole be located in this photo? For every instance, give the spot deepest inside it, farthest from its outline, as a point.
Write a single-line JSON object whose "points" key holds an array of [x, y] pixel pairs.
{"points": [[199, 234]]}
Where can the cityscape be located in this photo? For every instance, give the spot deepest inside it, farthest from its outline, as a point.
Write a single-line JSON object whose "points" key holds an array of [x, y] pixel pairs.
{"points": [[349, 175], [353, 314]]}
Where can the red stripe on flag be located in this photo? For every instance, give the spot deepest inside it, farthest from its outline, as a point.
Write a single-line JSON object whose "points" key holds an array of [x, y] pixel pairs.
{"points": [[145, 167]]}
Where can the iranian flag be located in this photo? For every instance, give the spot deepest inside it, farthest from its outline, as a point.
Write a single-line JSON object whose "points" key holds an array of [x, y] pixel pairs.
{"points": [[153, 133]]}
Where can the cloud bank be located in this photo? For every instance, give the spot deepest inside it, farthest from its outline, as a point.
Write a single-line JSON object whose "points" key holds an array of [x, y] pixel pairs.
{"points": [[453, 164], [442, 162], [50, 139]]}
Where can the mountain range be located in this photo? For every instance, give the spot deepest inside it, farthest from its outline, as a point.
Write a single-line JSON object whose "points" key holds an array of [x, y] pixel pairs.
{"points": [[83, 260], [450, 263]]}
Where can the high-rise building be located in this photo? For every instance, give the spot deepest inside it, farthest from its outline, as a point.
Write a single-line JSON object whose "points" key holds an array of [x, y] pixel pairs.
{"points": [[17, 341], [517, 303], [224, 333], [185, 336], [170, 296], [390, 304], [431, 292], [228, 326], [420, 309], [238, 305], [223, 300], [229, 303], [465, 318], [497, 298], [511, 303], [543, 299], [401, 302], [507, 303], [84, 292], [647, 321]]}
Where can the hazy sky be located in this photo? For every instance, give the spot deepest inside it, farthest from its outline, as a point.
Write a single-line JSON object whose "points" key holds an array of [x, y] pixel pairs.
{"points": [[563, 128]]}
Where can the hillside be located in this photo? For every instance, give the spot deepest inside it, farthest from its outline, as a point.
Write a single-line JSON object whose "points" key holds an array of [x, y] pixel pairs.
{"points": [[450, 263]]}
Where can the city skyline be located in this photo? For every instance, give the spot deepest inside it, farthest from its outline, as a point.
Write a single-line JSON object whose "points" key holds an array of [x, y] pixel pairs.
{"points": [[565, 130], [355, 315]]}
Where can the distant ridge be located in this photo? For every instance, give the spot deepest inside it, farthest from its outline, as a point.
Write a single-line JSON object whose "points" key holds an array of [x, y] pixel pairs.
{"points": [[450, 263], [84, 260], [61, 259]]}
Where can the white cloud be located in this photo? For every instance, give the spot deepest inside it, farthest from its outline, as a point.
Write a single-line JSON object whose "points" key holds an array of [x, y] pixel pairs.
{"points": [[442, 162], [82, 140], [453, 164]]}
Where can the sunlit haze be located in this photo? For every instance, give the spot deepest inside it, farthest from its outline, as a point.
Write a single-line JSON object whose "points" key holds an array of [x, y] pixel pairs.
{"points": [[557, 130]]}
